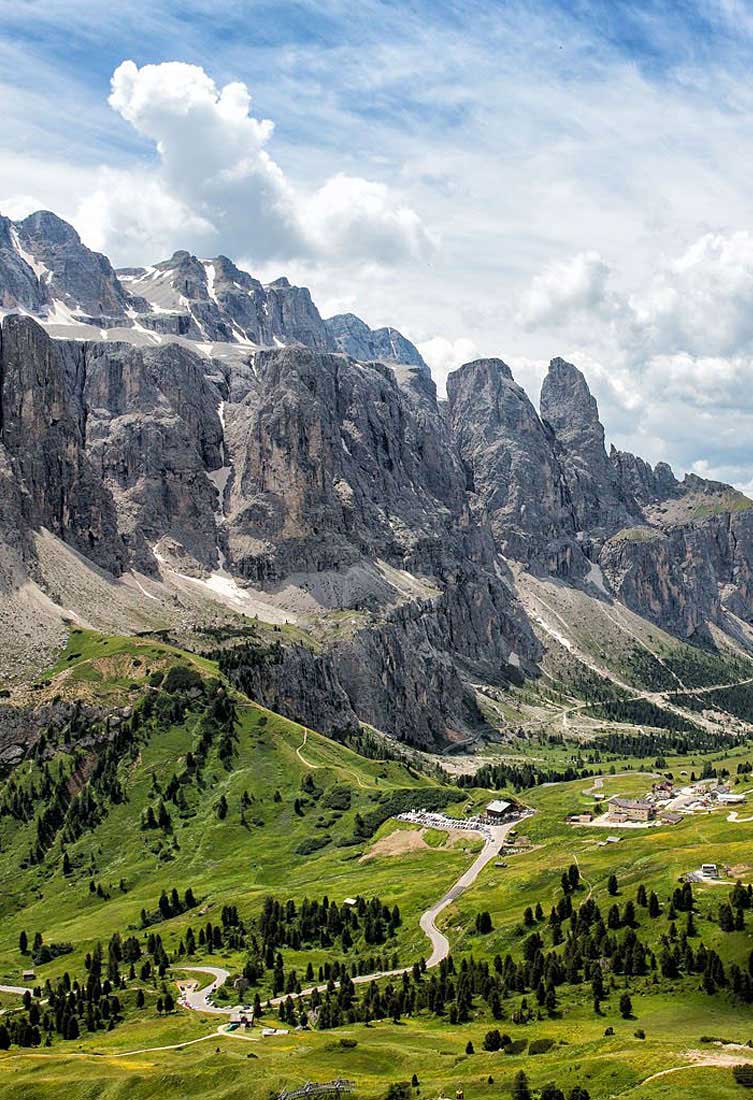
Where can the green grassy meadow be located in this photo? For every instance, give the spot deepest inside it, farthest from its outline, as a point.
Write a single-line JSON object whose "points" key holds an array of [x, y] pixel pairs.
{"points": [[253, 852]]}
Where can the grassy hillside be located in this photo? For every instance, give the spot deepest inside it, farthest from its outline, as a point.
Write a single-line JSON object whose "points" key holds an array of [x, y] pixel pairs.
{"points": [[237, 859], [191, 787]]}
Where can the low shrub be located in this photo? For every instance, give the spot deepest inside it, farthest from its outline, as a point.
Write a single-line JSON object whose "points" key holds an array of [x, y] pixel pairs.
{"points": [[743, 1075], [312, 844], [517, 1046], [540, 1046]]}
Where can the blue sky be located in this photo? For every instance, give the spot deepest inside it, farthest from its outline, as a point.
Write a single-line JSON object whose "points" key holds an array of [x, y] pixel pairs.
{"points": [[524, 180]]}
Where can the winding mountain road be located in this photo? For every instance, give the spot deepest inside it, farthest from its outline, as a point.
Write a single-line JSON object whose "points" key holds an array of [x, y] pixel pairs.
{"points": [[191, 996], [197, 998], [440, 946]]}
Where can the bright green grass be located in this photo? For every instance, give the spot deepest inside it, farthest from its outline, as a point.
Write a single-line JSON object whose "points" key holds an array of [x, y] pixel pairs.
{"points": [[608, 1067], [227, 863]]}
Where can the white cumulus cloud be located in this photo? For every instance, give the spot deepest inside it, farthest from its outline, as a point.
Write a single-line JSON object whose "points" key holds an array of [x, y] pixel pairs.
{"points": [[444, 356], [215, 181], [700, 303], [564, 288]]}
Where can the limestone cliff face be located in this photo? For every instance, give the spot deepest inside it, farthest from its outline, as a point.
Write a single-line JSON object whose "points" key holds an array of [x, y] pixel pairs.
{"points": [[512, 471], [43, 430], [569, 408], [334, 461], [685, 575], [109, 447], [353, 337], [154, 434]]}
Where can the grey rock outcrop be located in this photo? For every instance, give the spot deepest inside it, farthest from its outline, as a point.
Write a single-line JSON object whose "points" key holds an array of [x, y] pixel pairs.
{"points": [[293, 315], [43, 433], [570, 410], [686, 576], [512, 472], [332, 462], [407, 674], [353, 336], [19, 285], [641, 482], [154, 435], [69, 271]]}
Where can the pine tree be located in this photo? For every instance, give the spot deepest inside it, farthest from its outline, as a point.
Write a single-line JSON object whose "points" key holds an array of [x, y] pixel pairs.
{"points": [[484, 922], [520, 1089]]}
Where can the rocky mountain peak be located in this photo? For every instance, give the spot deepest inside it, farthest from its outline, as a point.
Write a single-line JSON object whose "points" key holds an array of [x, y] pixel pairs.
{"points": [[570, 408], [600, 499], [480, 373], [639, 481], [353, 337], [511, 467], [45, 226], [665, 479], [43, 262]]}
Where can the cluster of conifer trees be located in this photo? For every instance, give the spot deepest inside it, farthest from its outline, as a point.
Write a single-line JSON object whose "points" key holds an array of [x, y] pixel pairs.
{"points": [[325, 923], [587, 948], [169, 905], [520, 776], [75, 1006]]}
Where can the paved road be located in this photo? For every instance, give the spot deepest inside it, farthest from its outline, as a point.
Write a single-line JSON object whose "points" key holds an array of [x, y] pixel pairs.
{"points": [[440, 946], [19, 989], [197, 998], [193, 997]]}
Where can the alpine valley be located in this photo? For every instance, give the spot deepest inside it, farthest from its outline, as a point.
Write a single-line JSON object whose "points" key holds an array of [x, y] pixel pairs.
{"points": [[349, 734]]}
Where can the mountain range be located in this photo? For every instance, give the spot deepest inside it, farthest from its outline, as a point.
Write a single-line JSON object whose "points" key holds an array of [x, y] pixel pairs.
{"points": [[183, 447]]}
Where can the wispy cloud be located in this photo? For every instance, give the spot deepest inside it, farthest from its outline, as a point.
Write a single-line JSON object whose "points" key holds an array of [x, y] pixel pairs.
{"points": [[568, 156]]}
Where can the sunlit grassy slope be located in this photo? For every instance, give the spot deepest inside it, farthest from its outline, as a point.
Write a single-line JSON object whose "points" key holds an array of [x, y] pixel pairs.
{"points": [[243, 858]]}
